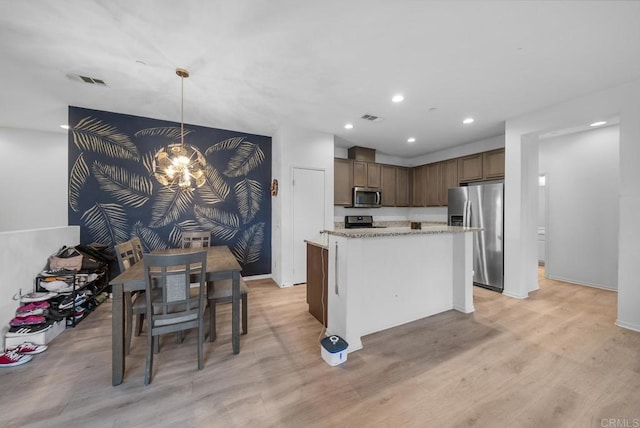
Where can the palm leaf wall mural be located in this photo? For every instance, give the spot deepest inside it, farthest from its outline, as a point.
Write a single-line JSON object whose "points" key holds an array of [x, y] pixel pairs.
{"points": [[171, 132], [249, 195], [215, 189], [230, 144], [107, 223], [113, 195], [248, 248], [128, 188], [223, 224], [77, 178], [169, 205], [94, 135], [246, 157], [150, 239]]}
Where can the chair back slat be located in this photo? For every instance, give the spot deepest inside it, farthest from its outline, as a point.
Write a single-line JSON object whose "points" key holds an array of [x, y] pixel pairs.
{"points": [[137, 248], [196, 239], [126, 255]]}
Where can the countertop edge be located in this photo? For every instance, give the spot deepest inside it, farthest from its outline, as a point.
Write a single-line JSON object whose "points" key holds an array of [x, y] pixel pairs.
{"points": [[317, 244], [375, 233]]}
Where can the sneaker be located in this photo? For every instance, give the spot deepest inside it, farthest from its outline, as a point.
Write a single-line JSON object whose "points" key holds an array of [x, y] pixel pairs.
{"points": [[12, 359], [69, 302], [28, 348], [26, 330], [28, 320], [35, 308], [37, 296]]}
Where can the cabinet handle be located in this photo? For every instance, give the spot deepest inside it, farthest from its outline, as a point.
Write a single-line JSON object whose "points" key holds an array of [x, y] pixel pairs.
{"points": [[335, 270]]}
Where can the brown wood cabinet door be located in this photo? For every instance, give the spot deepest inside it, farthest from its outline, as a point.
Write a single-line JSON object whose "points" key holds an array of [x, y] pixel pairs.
{"points": [[342, 181], [433, 184], [388, 185], [359, 174], [449, 178], [418, 198], [402, 187], [493, 164], [470, 168], [373, 175], [317, 259]]}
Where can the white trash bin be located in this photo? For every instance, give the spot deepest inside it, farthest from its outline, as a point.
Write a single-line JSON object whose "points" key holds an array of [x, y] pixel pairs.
{"points": [[334, 350]]}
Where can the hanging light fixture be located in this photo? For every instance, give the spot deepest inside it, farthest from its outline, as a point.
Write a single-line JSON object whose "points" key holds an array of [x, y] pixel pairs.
{"points": [[179, 163]]}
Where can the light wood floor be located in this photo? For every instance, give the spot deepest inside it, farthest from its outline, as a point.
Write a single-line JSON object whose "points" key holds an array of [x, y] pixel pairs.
{"points": [[553, 360]]}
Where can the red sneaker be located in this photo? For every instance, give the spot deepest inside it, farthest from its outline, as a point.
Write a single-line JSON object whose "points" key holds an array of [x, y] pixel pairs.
{"points": [[28, 320], [12, 359]]}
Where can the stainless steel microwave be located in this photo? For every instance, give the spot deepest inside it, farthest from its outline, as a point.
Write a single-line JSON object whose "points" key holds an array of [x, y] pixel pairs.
{"points": [[366, 198]]}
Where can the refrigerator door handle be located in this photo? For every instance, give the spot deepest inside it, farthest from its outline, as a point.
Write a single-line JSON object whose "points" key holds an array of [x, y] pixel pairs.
{"points": [[467, 214]]}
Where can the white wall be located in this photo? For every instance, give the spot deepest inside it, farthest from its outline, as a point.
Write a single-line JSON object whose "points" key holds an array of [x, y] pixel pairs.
{"points": [[23, 254], [34, 192], [295, 147], [459, 151], [582, 172], [521, 190]]}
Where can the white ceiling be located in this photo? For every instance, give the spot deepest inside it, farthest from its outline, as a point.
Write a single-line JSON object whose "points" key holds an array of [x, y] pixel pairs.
{"points": [[258, 65]]}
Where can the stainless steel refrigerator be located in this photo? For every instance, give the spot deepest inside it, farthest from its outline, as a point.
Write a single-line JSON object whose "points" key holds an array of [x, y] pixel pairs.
{"points": [[481, 205]]}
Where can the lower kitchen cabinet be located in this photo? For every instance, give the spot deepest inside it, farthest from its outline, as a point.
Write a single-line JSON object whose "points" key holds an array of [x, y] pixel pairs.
{"points": [[317, 263]]}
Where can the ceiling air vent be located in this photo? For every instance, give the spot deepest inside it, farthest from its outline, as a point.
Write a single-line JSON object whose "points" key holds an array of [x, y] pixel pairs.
{"points": [[87, 79], [371, 118]]}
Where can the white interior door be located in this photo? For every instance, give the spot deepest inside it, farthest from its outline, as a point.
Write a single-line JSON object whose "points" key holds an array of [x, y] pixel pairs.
{"points": [[308, 215]]}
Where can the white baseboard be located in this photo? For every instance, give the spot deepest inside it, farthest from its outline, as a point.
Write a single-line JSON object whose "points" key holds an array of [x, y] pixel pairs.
{"points": [[628, 325]]}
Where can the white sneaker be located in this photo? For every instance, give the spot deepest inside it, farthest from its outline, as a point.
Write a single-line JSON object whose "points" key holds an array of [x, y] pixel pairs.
{"points": [[28, 348]]}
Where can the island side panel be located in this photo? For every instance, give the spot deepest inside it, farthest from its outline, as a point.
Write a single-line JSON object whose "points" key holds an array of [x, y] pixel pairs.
{"points": [[463, 272], [339, 304], [387, 281]]}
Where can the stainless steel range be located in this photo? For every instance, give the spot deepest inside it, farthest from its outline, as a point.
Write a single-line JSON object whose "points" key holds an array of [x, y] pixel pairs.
{"points": [[359, 222]]}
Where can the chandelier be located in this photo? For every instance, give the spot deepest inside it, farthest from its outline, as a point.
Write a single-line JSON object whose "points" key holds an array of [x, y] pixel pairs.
{"points": [[179, 163]]}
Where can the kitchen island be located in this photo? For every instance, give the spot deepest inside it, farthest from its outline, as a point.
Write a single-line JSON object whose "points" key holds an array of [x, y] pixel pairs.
{"points": [[383, 277]]}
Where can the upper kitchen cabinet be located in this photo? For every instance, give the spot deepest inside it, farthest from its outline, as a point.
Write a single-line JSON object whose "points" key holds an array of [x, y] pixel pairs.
{"points": [[470, 168], [366, 174], [343, 181], [388, 187], [402, 187], [449, 179], [418, 188], [481, 166], [493, 164], [432, 184]]}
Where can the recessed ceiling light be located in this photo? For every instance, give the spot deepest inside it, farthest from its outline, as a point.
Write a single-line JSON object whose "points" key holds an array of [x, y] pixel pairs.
{"points": [[411, 140], [348, 126], [397, 98], [468, 120], [64, 126], [600, 123]]}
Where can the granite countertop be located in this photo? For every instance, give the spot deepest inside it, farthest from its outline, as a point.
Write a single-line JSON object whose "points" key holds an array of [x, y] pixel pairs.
{"points": [[321, 241], [428, 229]]}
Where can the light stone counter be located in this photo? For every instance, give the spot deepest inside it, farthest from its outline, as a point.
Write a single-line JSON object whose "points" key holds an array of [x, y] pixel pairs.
{"points": [[374, 232], [322, 241]]}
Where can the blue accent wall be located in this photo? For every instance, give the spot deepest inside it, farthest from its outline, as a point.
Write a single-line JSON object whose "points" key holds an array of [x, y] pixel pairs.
{"points": [[113, 195]]}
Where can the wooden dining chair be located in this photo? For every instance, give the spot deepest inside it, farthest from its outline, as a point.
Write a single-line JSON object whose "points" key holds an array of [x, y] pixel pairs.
{"points": [[196, 238], [134, 304], [171, 307], [137, 248], [219, 291]]}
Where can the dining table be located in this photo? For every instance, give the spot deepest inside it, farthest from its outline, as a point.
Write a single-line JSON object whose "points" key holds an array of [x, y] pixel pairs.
{"points": [[221, 264]]}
